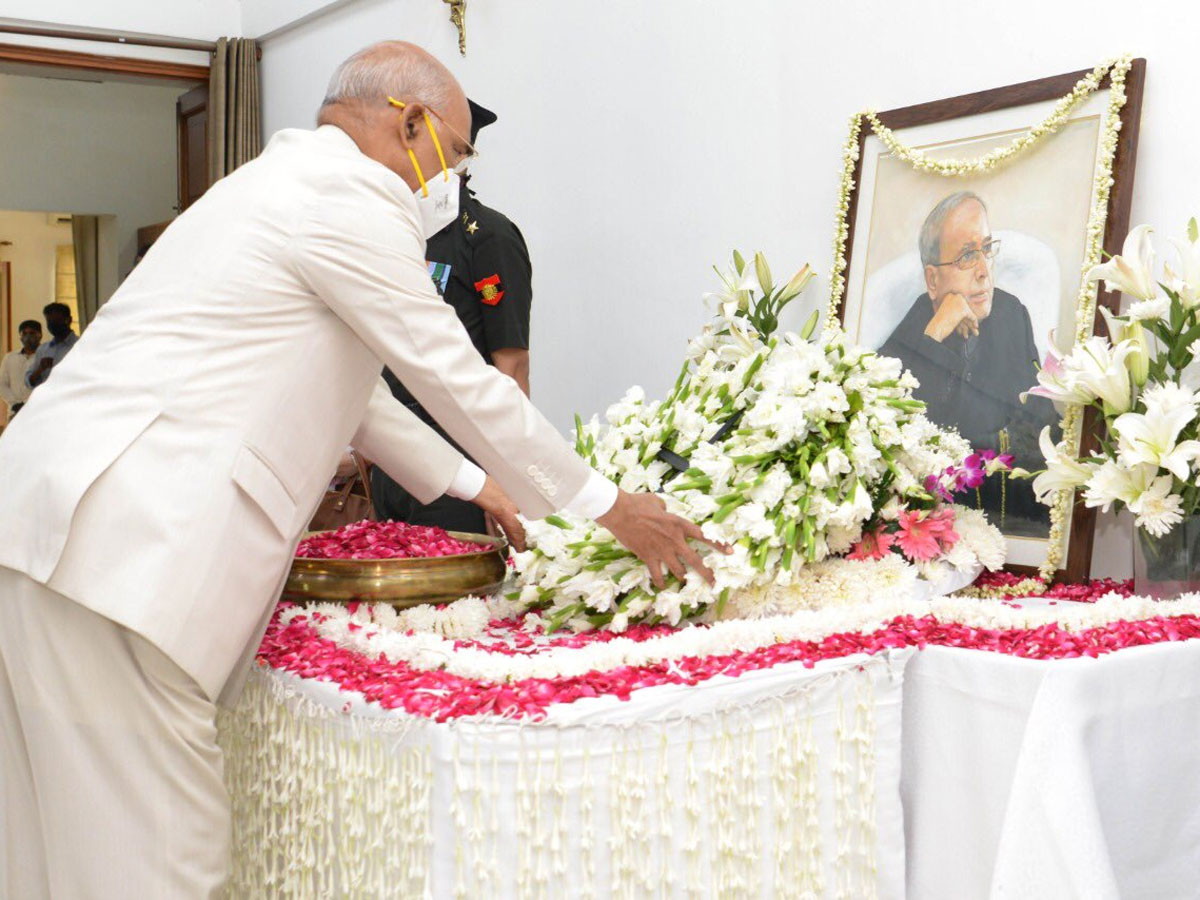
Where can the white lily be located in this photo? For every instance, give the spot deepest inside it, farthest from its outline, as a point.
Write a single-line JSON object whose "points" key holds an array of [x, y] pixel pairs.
{"points": [[736, 286], [1151, 437], [1187, 282], [1132, 272], [1114, 483], [1056, 383], [1063, 471], [1100, 367]]}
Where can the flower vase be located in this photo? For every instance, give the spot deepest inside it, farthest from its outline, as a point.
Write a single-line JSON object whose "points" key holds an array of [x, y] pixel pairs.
{"points": [[1165, 567]]}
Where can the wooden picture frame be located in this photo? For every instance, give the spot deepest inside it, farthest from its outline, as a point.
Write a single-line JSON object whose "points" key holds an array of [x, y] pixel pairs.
{"points": [[1074, 563]]}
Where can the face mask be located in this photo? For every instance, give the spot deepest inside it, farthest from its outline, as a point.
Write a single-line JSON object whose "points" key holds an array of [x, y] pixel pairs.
{"points": [[437, 200]]}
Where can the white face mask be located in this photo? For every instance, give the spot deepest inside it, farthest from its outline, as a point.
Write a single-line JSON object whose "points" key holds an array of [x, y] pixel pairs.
{"points": [[437, 202]]}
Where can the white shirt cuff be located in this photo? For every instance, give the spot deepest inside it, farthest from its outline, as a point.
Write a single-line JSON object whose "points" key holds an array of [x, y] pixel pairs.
{"points": [[594, 499], [468, 481]]}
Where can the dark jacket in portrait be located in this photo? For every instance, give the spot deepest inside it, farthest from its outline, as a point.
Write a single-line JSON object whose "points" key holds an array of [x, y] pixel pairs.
{"points": [[974, 385]]}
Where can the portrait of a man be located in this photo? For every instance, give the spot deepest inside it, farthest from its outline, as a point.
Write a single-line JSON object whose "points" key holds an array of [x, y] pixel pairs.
{"points": [[971, 346]]}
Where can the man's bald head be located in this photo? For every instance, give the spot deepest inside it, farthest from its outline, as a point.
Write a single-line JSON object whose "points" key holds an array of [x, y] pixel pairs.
{"points": [[357, 102], [392, 69]]}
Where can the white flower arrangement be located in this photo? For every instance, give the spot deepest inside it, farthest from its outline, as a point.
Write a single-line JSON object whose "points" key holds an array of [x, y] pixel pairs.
{"points": [[783, 447], [1143, 381]]}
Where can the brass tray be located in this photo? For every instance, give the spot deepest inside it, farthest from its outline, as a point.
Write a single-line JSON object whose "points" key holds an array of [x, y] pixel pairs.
{"points": [[400, 582]]}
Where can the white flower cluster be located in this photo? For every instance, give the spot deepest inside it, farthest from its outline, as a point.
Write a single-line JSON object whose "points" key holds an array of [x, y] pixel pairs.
{"points": [[1143, 379], [792, 446]]}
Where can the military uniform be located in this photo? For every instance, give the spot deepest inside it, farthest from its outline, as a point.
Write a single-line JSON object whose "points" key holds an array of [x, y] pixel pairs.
{"points": [[480, 265]]}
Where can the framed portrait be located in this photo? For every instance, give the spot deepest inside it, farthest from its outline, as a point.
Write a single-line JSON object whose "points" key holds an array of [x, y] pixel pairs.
{"points": [[965, 229]]}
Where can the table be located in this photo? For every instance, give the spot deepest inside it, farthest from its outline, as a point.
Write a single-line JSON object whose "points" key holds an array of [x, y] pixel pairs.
{"points": [[1020, 777], [779, 783], [1053, 779]]}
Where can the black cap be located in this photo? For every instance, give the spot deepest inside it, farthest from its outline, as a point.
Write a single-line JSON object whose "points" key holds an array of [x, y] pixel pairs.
{"points": [[481, 117]]}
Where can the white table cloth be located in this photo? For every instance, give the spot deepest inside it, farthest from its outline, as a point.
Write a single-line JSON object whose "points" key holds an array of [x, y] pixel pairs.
{"points": [[1075, 778], [779, 783]]}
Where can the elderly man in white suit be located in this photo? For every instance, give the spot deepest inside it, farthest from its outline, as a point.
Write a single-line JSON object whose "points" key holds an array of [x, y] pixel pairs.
{"points": [[178, 452]]}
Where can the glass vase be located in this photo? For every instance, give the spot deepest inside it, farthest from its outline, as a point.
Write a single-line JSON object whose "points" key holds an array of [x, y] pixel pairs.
{"points": [[1165, 567]]}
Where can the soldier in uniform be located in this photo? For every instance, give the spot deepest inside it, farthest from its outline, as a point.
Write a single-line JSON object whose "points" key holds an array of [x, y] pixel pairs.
{"points": [[480, 265]]}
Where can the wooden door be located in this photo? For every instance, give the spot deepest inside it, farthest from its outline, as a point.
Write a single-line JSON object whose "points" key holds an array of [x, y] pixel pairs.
{"points": [[191, 112]]}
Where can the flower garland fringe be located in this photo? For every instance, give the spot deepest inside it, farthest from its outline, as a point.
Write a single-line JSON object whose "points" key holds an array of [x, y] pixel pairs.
{"points": [[1085, 303]]}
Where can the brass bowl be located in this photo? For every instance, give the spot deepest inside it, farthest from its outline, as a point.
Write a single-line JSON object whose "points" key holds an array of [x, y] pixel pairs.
{"points": [[400, 582]]}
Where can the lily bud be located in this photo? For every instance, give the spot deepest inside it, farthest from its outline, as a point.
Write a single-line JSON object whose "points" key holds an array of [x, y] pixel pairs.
{"points": [[763, 271], [798, 283], [1139, 360]]}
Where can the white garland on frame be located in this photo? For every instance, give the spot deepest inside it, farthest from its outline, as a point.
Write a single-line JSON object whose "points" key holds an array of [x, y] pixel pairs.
{"points": [[1085, 304]]}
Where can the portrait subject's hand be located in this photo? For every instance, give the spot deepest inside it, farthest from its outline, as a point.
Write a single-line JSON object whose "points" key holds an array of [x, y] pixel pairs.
{"points": [[644, 527], [500, 509], [953, 314]]}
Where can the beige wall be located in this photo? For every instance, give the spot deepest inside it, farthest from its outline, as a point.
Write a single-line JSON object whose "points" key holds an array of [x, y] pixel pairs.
{"points": [[34, 241]]}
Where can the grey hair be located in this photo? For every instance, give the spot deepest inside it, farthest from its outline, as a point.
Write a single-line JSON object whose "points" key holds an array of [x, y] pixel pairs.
{"points": [[930, 243], [390, 68]]}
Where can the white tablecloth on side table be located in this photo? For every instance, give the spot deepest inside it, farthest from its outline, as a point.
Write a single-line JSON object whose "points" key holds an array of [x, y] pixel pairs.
{"points": [[1076, 778], [773, 784]]}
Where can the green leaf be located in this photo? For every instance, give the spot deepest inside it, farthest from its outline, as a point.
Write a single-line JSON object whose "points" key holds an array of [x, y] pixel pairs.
{"points": [[557, 522]]}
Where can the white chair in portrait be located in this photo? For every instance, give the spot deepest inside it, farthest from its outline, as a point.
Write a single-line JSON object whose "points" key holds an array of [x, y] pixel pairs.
{"points": [[1025, 267]]}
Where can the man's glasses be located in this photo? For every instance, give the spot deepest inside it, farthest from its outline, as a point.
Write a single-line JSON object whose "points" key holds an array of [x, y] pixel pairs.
{"points": [[970, 258], [464, 162]]}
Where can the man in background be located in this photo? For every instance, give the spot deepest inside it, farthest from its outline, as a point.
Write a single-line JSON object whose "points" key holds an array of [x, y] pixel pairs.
{"points": [[480, 266], [58, 323], [14, 391]]}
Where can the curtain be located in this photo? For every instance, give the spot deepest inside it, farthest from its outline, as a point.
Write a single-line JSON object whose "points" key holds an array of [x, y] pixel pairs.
{"points": [[85, 235], [234, 106]]}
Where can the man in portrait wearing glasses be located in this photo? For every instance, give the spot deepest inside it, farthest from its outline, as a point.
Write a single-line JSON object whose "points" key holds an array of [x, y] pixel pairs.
{"points": [[970, 345]]}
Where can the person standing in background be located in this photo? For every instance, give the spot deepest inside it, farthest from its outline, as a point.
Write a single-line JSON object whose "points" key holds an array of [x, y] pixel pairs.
{"points": [[14, 390], [58, 323], [480, 266]]}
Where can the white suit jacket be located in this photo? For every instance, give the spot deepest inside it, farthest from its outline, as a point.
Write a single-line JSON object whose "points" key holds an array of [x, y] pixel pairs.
{"points": [[165, 473]]}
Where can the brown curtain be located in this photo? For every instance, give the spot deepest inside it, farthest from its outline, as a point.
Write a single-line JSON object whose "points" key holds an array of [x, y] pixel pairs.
{"points": [[234, 106], [85, 236]]}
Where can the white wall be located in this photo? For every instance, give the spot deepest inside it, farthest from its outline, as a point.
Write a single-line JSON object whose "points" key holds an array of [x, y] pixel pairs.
{"points": [[204, 20], [638, 142], [87, 148]]}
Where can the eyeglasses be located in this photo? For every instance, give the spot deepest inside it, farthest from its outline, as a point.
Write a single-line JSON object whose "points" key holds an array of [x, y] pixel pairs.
{"points": [[969, 258], [464, 162]]}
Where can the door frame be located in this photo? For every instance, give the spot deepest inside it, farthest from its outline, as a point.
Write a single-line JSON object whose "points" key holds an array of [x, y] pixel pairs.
{"points": [[94, 62]]}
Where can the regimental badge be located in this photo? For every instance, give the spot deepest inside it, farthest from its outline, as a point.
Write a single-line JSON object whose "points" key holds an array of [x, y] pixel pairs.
{"points": [[490, 291], [440, 273]]}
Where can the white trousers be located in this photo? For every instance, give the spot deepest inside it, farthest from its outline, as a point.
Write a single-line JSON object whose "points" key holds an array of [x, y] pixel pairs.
{"points": [[110, 774]]}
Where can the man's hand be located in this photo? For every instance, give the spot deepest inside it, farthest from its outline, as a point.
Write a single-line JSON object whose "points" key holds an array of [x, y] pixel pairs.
{"points": [[642, 524], [952, 314], [496, 504]]}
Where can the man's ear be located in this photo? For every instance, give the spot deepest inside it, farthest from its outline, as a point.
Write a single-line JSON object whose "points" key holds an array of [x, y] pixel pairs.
{"points": [[410, 124], [931, 274]]}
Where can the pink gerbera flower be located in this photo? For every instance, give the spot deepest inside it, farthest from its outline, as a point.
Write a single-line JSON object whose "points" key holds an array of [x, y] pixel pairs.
{"points": [[917, 537], [874, 545]]}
